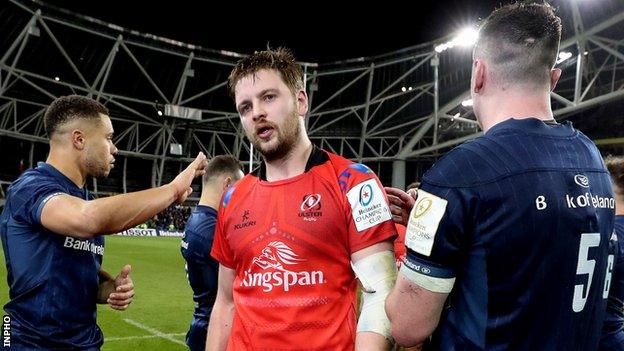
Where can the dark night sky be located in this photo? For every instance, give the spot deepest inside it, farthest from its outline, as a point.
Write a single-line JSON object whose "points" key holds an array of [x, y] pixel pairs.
{"points": [[315, 31]]}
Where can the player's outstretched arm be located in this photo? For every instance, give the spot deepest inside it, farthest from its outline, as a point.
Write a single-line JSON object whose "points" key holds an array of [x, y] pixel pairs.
{"points": [[222, 314], [117, 292], [401, 204], [70, 215]]}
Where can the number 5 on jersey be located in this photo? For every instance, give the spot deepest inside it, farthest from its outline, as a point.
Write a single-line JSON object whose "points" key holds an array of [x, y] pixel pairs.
{"points": [[586, 266]]}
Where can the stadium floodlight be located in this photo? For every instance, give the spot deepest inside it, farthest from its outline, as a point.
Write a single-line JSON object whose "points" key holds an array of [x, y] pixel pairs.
{"points": [[467, 103], [403, 89], [467, 37], [464, 38], [442, 47], [564, 55], [159, 112], [57, 79]]}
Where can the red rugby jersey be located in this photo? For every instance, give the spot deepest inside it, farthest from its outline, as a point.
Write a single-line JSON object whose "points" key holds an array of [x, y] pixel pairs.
{"points": [[290, 243]]}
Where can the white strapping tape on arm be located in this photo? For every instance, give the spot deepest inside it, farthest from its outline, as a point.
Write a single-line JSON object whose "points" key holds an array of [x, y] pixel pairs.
{"points": [[377, 274], [434, 284]]}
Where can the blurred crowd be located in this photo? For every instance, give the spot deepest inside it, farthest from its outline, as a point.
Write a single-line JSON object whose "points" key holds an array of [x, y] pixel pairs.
{"points": [[173, 218]]}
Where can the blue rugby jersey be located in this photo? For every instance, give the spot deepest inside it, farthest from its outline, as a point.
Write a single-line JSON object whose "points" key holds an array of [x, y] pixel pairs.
{"points": [[202, 271], [519, 223], [53, 279]]}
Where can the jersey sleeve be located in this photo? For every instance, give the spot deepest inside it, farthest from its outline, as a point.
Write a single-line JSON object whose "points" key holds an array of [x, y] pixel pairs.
{"points": [[434, 237], [202, 270], [198, 246], [368, 215], [33, 197], [221, 250]]}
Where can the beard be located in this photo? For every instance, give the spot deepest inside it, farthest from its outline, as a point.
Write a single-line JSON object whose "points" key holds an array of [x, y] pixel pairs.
{"points": [[97, 168], [282, 142]]}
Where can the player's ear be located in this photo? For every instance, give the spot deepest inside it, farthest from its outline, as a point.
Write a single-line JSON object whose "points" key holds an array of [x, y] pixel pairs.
{"points": [[554, 77], [478, 76], [302, 103], [78, 139], [227, 182]]}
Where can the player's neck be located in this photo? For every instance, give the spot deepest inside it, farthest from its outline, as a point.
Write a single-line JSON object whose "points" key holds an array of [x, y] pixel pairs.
{"points": [[210, 198], [292, 164], [518, 104], [67, 165]]}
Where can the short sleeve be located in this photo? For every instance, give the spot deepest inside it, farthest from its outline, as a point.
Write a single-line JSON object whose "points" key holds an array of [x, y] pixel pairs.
{"points": [[368, 214], [30, 199], [221, 250], [198, 246], [434, 237]]}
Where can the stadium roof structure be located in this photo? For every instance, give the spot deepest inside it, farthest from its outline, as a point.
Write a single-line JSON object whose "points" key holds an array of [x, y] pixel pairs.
{"points": [[404, 108]]}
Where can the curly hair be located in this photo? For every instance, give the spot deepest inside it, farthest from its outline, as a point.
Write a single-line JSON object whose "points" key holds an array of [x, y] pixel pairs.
{"points": [[68, 108]]}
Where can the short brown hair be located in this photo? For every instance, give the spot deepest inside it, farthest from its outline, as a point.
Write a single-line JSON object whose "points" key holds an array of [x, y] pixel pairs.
{"points": [[521, 41], [222, 164], [280, 60], [615, 165], [68, 108]]}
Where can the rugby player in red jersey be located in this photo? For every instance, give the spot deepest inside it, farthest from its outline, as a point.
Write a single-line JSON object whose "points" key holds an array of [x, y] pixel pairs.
{"points": [[290, 235]]}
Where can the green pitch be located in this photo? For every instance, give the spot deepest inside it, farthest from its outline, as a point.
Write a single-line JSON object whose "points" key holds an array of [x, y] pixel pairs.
{"points": [[162, 309]]}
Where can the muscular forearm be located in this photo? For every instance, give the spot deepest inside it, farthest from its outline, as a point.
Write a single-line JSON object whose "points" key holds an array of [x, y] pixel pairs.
{"points": [[116, 213], [69, 215]]}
